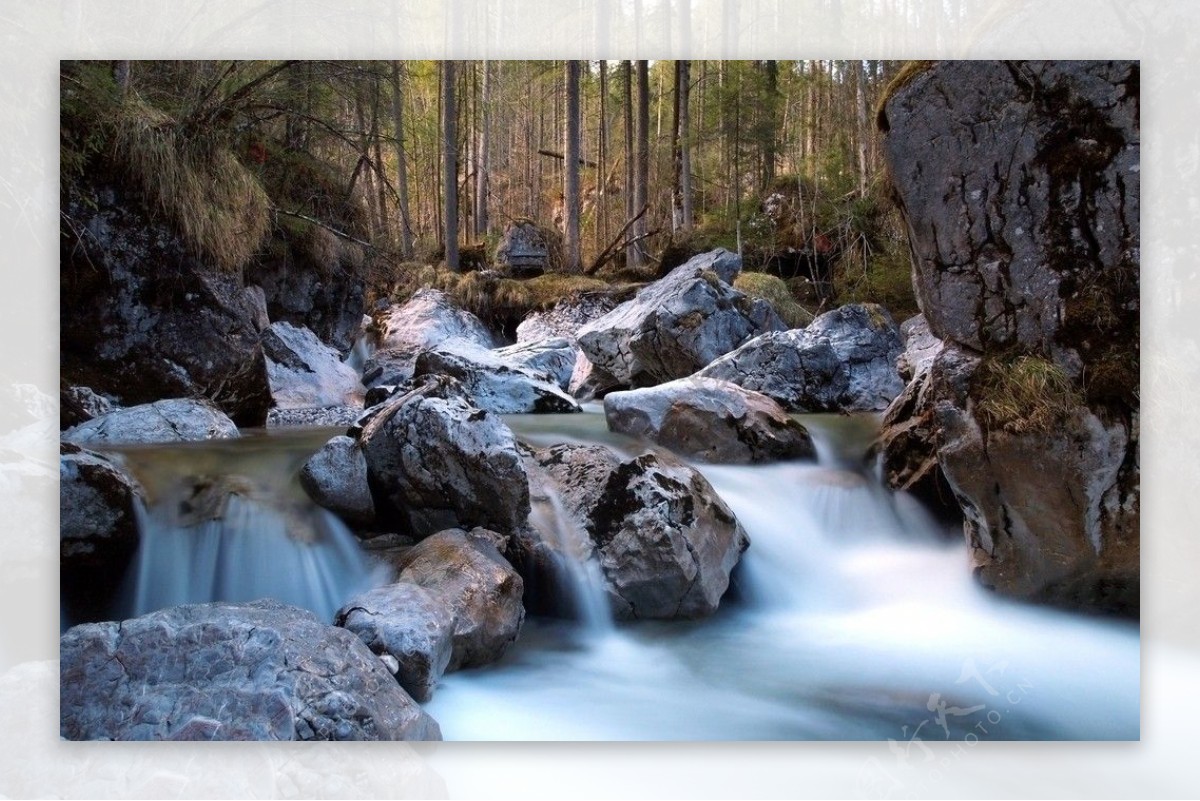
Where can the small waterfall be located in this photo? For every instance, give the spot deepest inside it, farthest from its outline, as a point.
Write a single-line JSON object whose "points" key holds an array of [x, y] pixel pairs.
{"points": [[579, 570], [228, 521], [362, 350]]}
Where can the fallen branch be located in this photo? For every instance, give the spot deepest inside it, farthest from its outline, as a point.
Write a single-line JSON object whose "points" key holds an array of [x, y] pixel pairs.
{"points": [[582, 161], [333, 230], [612, 248]]}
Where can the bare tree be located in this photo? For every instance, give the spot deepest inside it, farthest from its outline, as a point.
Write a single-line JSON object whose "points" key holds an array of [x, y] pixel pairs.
{"points": [[571, 148], [641, 173], [406, 232], [450, 164], [482, 155]]}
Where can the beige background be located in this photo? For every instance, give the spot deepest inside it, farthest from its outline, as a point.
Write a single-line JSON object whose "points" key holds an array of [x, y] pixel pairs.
{"points": [[36, 35]]}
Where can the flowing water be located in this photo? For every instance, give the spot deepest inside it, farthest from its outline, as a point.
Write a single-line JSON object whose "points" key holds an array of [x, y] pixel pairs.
{"points": [[855, 617], [852, 615]]}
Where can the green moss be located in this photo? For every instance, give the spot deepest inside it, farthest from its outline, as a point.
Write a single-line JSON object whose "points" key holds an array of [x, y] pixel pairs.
{"points": [[773, 290], [907, 74]]}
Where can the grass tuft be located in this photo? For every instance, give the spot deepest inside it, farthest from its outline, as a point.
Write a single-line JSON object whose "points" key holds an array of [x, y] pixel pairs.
{"points": [[1025, 394]]}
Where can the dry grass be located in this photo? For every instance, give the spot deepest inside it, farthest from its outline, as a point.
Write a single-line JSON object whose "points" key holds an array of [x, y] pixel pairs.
{"points": [[1025, 394], [909, 71], [773, 290], [212, 200]]}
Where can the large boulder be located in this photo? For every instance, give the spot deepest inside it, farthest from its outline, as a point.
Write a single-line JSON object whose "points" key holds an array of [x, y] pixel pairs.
{"points": [[710, 420], [554, 357], [150, 320], [466, 572], [253, 671], [411, 625], [845, 360], [524, 250], [99, 507], [176, 420], [438, 461], [336, 478], [563, 321], [665, 542], [678, 324], [1019, 183], [427, 320], [494, 383], [305, 372]]}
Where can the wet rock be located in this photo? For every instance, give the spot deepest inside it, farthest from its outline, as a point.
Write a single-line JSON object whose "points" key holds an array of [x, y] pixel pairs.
{"points": [[437, 461], [326, 298], [79, 404], [665, 541], [845, 360], [305, 372], [221, 671], [492, 382], [178, 420], [336, 478], [409, 624], [678, 324], [1019, 184], [148, 319], [427, 320], [710, 420], [99, 505], [344, 417], [554, 357], [467, 573]]}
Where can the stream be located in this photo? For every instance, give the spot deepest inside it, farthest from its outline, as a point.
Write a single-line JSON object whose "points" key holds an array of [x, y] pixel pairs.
{"points": [[853, 613]]}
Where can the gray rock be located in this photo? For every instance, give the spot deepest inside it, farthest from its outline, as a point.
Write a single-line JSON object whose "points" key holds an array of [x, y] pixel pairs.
{"points": [[427, 320], [336, 478], [492, 382], [327, 299], [177, 420], [678, 324], [150, 320], [554, 357], [845, 360], [467, 573], [254, 671], [665, 541], [710, 420], [305, 372], [523, 251], [99, 506], [411, 625], [344, 417], [566, 317], [80, 404], [1019, 181], [438, 461], [921, 347]]}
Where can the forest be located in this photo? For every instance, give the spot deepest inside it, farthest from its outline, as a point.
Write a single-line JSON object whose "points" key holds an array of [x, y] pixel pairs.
{"points": [[628, 167], [600, 400]]}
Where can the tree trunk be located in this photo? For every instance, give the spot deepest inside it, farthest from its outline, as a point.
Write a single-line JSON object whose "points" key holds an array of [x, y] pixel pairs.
{"points": [[571, 146], [641, 183], [381, 187], [450, 164], [406, 232], [630, 179], [769, 141], [482, 155], [864, 131], [684, 136], [601, 228]]}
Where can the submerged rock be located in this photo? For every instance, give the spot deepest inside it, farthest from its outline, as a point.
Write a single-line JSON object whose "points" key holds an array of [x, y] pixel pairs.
{"points": [[222, 671], [710, 420], [494, 383], [177, 420], [678, 324], [845, 360], [305, 372], [467, 572], [409, 623], [336, 478], [665, 541], [438, 461]]}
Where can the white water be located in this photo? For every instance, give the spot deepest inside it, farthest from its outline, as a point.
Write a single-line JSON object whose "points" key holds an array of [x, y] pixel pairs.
{"points": [[227, 521], [856, 619]]}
